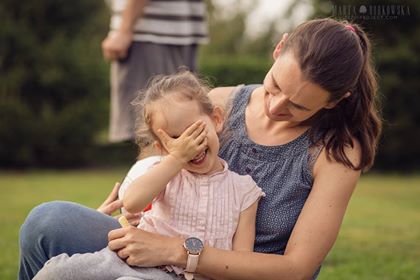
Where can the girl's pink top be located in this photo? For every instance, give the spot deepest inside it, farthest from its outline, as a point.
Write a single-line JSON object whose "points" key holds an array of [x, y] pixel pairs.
{"points": [[207, 207]]}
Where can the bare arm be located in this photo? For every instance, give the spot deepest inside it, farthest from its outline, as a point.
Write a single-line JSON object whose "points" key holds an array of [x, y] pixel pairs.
{"points": [[116, 44], [245, 233], [137, 197], [132, 11], [313, 235], [145, 188]]}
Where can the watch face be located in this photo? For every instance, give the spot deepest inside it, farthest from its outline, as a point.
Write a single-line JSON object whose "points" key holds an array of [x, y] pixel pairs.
{"points": [[194, 245]]}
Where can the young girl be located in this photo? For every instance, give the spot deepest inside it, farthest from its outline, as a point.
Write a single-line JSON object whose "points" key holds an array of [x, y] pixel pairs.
{"points": [[193, 194]]}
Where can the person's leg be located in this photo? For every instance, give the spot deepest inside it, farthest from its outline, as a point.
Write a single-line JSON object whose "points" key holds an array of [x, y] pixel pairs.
{"points": [[60, 227], [121, 122], [102, 265], [189, 56], [129, 76]]}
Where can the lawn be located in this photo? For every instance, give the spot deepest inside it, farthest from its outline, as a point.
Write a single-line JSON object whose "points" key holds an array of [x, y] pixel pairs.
{"points": [[379, 239]]}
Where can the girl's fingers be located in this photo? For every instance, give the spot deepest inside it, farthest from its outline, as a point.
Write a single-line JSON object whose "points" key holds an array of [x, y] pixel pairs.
{"points": [[200, 138], [203, 145], [192, 128], [163, 137], [199, 130]]}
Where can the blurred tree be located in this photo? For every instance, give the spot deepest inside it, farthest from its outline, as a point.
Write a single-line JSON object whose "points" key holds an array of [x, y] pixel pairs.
{"points": [[232, 57], [52, 81]]}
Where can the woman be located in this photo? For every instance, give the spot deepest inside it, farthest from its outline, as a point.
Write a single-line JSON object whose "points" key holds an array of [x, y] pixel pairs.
{"points": [[304, 136]]}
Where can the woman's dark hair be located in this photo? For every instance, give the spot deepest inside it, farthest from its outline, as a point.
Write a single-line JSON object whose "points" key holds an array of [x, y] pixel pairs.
{"points": [[337, 56]]}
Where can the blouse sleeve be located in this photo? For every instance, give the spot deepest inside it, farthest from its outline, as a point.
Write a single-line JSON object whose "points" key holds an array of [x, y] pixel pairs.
{"points": [[250, 192]]}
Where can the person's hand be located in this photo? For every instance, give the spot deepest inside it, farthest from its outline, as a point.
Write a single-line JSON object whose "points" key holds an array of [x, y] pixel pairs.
{"points": [[191, 142], [133, 219], [116, 45], [111, 203], [141, 248]]}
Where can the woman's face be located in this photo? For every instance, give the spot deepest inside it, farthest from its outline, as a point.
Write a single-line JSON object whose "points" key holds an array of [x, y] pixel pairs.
{"points": [[288, 97]]}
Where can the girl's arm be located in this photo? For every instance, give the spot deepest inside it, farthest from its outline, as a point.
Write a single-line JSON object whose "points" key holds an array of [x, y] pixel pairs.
{"points": [[245, 233], [145, 188], [181, 150], [313, 235]]}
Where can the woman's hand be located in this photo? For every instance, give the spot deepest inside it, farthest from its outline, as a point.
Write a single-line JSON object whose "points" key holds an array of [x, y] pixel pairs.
{"points": [[111, 203], [191, 142], [145, 249]]}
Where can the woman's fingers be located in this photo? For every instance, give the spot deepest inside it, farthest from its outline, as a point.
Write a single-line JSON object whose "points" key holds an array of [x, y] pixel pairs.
{"points": [[117, 233], [112, 207], [111, 203], [123, 254], [116, 240], [114, 193]]}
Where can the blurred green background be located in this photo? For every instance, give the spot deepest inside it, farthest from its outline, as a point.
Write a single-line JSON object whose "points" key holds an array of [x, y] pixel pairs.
{"points": [[54, 106], [54, 84]]}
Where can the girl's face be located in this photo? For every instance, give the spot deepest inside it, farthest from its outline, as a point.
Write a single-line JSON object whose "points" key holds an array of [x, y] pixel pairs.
{"points": [[175, 116], [288, 97]]}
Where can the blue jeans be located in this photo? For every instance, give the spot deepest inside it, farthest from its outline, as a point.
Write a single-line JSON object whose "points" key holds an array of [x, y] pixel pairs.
{"points": [[60, 227]]}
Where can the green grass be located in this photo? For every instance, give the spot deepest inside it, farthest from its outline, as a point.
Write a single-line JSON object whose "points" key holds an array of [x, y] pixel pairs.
{"points": [[379, 239]]}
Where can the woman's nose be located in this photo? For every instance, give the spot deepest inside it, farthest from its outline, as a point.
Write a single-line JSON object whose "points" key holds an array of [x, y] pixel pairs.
{"points": [[277, 103]]}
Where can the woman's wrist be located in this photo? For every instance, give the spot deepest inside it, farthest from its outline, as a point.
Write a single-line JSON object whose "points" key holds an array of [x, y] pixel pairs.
{"points": [[177, 255]]}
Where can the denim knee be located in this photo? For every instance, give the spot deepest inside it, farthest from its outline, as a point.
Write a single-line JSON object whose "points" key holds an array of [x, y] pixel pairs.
{"points": [[38, 224]]}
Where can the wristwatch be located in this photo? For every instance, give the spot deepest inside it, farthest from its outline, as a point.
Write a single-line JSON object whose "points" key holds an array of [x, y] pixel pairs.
{"points": [[194, 246]]}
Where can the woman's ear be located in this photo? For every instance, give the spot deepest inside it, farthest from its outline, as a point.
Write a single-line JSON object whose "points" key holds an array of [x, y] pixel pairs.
{"points": [[218, 118], [279, 46], [334, 103]]}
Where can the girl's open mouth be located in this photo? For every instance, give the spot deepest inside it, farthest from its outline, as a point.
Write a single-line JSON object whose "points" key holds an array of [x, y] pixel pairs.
{"points": [[199, 158]]}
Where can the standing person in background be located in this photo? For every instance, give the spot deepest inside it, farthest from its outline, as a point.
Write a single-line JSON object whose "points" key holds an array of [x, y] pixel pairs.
{"points": [[146, 38]]}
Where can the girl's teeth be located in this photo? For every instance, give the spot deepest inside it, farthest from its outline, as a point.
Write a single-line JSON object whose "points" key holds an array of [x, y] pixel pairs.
{"points": [[199, 157]]}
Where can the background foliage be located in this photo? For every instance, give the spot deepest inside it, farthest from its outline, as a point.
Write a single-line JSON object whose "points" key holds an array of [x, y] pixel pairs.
{"points": [[53, 84], [54, 93]]}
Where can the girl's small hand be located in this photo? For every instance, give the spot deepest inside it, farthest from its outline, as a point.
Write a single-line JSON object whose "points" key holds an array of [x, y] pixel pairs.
{"points": [[191, 142]]}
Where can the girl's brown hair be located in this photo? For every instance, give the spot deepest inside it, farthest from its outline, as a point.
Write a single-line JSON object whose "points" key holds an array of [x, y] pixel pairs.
{"points": [[337, 56], [183, 85]]}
